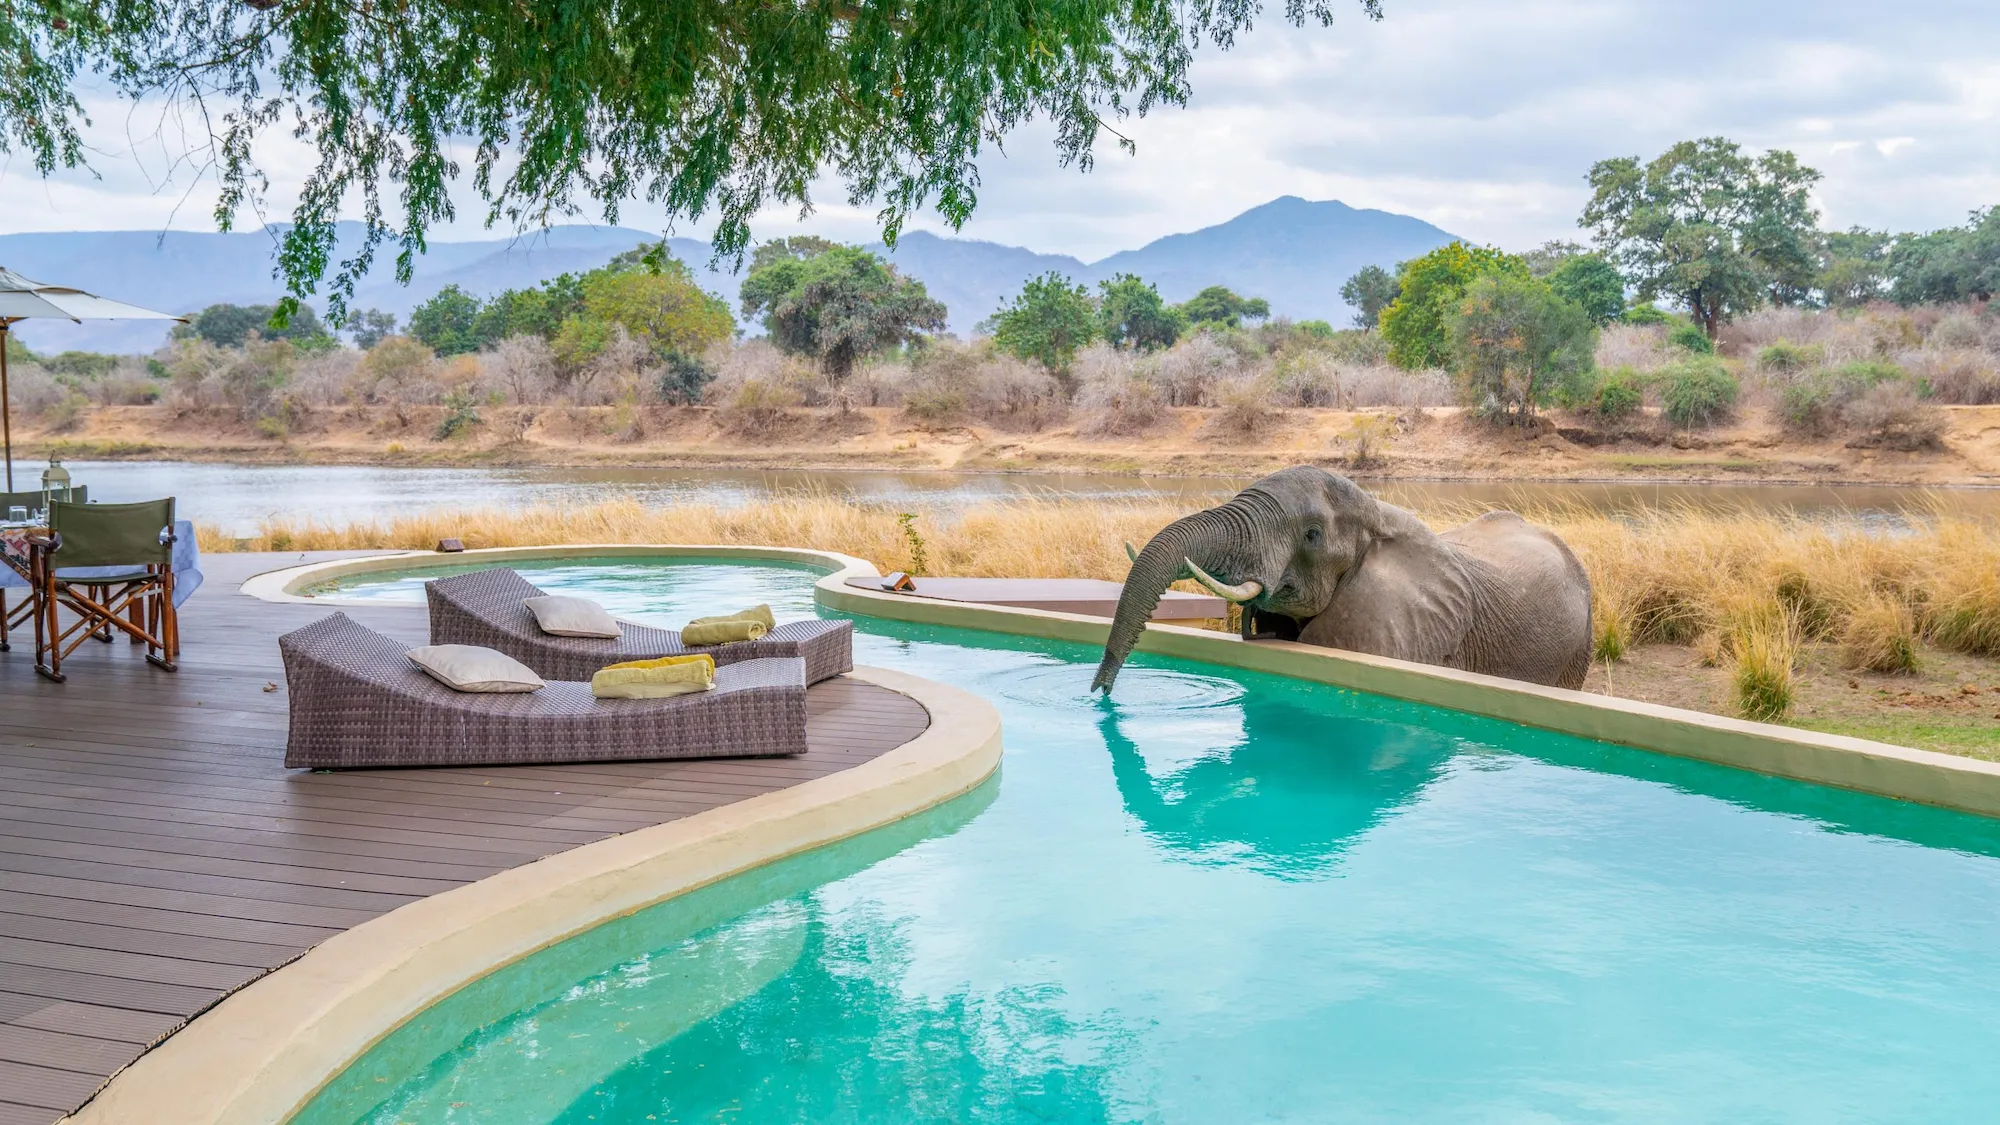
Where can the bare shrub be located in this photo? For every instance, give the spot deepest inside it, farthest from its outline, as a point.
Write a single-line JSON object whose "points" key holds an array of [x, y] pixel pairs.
{"points": [[1009, 392], [522, 368], [33, 389], [192, 368], [1188, 372], [880, 384], [253, 379], [1642, 347], [1382, 385], [327, 379], [1360, 349], [399, 370], [1308, 379], [128, 383], [1959, 328], [1246, 408], [759, 361], [939, 387], [758, 407], [1840, 337], [1115, 397], [1317, 379], [1891, 416], [1954, 374], [1751, 333]]}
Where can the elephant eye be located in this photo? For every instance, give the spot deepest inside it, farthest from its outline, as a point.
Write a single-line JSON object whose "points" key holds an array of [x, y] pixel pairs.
{"points": [[1312, 535]]}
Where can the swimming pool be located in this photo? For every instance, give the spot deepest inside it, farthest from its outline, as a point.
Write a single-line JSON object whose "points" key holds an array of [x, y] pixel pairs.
{"points": [[1234, 897]]}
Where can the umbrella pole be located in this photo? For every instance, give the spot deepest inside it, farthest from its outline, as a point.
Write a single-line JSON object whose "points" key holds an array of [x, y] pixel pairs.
{"points": [[6, 416]]}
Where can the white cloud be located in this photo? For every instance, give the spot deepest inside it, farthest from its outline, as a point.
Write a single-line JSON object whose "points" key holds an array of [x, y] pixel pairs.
{"points": [[1479, 117]]}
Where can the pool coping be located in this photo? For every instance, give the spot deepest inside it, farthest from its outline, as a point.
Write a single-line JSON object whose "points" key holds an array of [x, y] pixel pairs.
{"points": [[262, 1053], [285, 584], [1843, 762]]}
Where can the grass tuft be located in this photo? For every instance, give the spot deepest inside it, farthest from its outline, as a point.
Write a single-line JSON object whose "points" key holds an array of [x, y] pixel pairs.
{"points": [[1766, 647], [1880, 635]]}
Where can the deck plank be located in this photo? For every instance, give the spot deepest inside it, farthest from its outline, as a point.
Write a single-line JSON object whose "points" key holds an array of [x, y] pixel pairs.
{"points": [[155, 854]]}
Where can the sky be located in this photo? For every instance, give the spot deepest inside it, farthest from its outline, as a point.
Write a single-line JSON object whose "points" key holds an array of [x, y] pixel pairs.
{"points": [[1482, 118]]}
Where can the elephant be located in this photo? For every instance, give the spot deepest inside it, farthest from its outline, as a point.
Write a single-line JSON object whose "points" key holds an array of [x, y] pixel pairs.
{"points": [[1308, 553]]}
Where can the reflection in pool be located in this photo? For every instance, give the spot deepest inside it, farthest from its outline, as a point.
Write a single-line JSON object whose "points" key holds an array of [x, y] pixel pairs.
{"points": [[1233, 897]]}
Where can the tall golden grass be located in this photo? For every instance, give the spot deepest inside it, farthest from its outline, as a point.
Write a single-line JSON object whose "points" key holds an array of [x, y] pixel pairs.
{"points": [[1673, 575]]}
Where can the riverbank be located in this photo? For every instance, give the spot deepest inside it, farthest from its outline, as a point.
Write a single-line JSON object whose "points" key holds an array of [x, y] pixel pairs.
{"points": [[1895, 637], [1434, 444]]}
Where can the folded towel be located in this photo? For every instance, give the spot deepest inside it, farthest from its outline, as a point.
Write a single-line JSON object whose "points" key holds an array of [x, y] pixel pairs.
{"points": [[654, 679], [758, 613], [743, 625]]}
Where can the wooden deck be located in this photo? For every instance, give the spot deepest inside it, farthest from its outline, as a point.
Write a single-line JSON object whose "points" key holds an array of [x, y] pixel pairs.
{"points": [[155, 856]]}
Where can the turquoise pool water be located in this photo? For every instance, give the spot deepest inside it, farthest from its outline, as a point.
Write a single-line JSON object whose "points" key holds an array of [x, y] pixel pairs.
{"points": [[1228, 897]]}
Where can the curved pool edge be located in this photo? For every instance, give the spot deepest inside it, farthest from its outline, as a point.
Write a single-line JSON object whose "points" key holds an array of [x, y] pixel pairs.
{"points": [[1902, 772], [285, 584], [262, 1053]]}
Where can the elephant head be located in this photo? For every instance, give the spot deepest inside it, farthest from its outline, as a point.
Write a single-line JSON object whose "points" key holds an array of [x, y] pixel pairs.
{"points": [[1282, 545]]}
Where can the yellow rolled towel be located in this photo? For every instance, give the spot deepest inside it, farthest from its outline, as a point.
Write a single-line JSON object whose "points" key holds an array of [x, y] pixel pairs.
{"points": [[654, 679], [743, 625]]}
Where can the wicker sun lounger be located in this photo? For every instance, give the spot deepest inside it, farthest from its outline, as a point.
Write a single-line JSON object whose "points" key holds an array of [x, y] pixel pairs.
{"points": [[485, 608], [358, 701]]}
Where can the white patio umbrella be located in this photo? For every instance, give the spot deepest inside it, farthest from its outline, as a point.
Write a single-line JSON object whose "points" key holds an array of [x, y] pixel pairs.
{"points": [[21, 299]]}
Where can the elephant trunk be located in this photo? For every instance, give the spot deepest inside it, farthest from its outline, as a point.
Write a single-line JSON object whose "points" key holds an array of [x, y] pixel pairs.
{"points": [[1211, 539]]}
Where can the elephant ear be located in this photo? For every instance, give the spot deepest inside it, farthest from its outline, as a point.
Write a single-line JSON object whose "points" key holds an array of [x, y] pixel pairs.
{"points": [[1410, 597]]}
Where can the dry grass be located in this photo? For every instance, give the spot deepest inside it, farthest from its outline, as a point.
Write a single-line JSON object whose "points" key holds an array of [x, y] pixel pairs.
{"points": [[1880, 635], [1676, 576], [1030, 539]]}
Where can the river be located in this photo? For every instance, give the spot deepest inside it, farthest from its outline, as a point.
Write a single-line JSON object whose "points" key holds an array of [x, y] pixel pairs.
{"points": [[238, 497]]}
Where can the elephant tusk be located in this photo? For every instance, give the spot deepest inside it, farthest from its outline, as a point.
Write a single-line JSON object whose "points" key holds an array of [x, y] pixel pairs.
{"points": [[1242, 593]]}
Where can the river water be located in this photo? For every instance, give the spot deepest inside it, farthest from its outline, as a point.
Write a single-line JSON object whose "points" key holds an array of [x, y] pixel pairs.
{"points": [[237, 498]]}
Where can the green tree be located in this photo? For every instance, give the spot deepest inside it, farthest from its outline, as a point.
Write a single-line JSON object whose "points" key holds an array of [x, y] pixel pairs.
{"points": [[839, 306], [229, 326], [540, 311], [1515, 342], [1545, 259], [1368, 292], [1708, 226], [1592, 284], [1047, 322], [666, 311], [1854, 267], [1950, 265], [798, 247], [447, 322], [370, 327], [711, 109], [1417, 323], [1130, 314], [1218, 305]]}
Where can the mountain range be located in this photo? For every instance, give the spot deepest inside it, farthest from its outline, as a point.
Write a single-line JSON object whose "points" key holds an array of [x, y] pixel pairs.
{"points": [[1293, 252]]}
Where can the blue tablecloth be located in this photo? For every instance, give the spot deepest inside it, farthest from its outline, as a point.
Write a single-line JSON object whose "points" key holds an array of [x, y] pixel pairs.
{"points": [[187, 567]]}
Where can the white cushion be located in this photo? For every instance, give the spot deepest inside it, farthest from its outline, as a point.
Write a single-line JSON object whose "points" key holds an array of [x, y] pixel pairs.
{"points": [[561, 616], [472, 668]]}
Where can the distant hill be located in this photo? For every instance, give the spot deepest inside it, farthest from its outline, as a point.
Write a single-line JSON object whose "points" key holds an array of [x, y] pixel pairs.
{"points": [[1293, 252]]}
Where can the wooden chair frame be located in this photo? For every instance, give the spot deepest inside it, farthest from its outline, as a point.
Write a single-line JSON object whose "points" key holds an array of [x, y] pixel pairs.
{"points": [[14, 617], [140, 607]]}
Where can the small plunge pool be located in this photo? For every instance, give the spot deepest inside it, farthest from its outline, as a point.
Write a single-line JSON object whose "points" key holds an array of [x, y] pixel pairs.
{"points": [[1230, 897]]}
